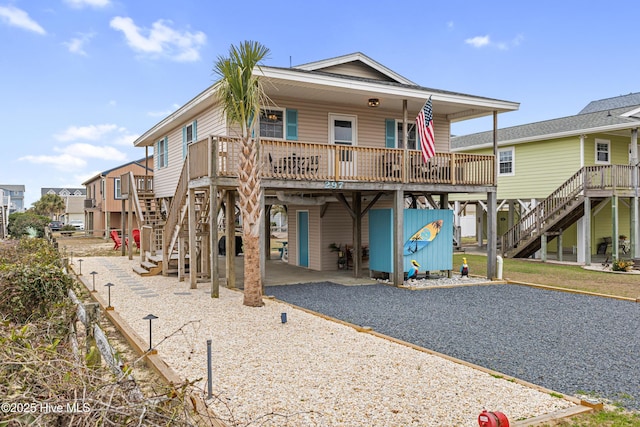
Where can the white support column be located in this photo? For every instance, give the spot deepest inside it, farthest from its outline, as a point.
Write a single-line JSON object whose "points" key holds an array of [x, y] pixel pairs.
{"points": [[634, 237], [586, 231], [398, 231], [615, 244], [543, 247], [492, 224]]}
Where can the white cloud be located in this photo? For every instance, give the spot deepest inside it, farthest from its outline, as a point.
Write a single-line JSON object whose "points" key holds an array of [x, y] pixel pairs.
{"points": [[450, 25], [478, 41], [62, 162], [483, 41], [162, 40], [76, 45], [83, 151], [19, 18], [91, 132], [92, 3], [126, 139]]}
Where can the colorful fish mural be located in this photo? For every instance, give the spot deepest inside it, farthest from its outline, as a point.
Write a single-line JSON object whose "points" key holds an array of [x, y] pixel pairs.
{"points": [[422, 237]]}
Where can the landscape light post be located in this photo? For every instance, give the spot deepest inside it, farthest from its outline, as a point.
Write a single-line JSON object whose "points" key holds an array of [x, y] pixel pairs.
{"points": [[150, 317]]}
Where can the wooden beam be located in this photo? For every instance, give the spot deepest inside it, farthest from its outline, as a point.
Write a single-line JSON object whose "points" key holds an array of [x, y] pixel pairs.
{"points": [[193, 269], [398, 231], [370, 205], [230, 239], [213, 238], [357, 233], [344, 202]]}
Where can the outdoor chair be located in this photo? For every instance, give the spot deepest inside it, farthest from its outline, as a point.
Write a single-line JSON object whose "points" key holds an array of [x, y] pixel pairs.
{"points": [[117, 243], [136, 237]]}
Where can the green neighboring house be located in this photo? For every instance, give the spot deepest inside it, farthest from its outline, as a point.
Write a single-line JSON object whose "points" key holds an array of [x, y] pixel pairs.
{"points": [[573, 179]]}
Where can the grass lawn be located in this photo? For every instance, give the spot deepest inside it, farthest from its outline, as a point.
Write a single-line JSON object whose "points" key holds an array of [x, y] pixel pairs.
{"points": [[560, 275], [576, 278]]}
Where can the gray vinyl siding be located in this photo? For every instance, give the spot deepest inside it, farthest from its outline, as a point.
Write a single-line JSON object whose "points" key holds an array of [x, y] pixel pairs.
{"points": [[357, 69]]}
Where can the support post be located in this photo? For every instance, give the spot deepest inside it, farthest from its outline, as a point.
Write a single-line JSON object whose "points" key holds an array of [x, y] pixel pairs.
{"points": [[357, 233], [230, 238], [193, 263], [587, 230], [543, 247], [492, 224], [398, 231], [615, 243], [213, 236]]}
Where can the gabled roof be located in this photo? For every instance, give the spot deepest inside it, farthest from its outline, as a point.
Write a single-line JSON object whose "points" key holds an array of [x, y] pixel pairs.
{"points": [[622, 101], [599, 121], [330, 64], [349, 81], [139, 162], [12, 187], [66, 191]]}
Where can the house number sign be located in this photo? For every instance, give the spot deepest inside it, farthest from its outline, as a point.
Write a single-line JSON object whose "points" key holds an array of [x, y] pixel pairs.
{"points": [[333, 184]]}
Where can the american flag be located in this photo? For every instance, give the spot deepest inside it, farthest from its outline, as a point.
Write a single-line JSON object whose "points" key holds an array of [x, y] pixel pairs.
{"points": [[424, 123]]}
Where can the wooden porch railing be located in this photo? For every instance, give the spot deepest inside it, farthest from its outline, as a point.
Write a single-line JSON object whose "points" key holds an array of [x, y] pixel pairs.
{"points": [[534, 222], [328, 162]]}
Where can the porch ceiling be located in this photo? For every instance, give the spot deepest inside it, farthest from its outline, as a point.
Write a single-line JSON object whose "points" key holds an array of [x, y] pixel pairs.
{"points": [[353, 91]]}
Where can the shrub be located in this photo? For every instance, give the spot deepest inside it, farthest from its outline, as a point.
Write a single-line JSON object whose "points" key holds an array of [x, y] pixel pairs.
{"points": [[20, 224], [31, 279], [622, 265]]}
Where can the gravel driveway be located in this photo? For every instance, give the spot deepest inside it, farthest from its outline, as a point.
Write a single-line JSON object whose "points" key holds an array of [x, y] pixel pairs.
{"points": [[571, 343]]}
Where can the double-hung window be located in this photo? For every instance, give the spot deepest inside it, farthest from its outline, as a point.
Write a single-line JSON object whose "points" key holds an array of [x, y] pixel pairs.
{"points": [[188, 136], [162, 153], [279, 124], [506, 162], [117, 188], [603, 148]]}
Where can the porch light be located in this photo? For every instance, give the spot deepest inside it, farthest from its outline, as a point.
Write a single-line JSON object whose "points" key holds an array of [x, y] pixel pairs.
{"points": [[374, 102]]}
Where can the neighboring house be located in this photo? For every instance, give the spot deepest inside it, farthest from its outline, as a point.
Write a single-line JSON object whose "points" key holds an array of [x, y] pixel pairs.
{"points": [[15, 194], [103, 205], [337, 142], [574, 179], [73, 202]]}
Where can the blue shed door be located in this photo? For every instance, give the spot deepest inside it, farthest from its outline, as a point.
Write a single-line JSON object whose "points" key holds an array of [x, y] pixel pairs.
{"points": [[303, 238]]}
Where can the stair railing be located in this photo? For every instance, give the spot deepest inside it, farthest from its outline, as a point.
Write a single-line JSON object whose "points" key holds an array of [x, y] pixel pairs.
{"points": [[533, 222]]}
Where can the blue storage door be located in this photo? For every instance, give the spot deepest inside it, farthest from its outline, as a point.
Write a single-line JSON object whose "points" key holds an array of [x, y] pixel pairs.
{"points": [[303, 238]]}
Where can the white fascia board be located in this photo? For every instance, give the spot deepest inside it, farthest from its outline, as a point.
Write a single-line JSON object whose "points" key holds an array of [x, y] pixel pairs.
{"points": [[558, 135], [368, 87], [358, 56], [168, 122]]}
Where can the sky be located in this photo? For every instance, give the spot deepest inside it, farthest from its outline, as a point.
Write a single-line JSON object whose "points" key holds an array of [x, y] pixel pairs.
{"points": [[81, 79]]}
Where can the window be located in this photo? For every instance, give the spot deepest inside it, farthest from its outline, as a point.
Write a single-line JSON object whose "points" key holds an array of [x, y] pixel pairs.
{"points": [[411, 135], [272, 124], [602, 151], [162, 153], [506, 162], [117, 188], [188, 136]]}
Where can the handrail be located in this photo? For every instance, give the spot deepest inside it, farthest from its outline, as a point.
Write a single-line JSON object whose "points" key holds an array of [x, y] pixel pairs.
{"points": [[133, 194], [289, 160], [599, 177], [171, 226]]}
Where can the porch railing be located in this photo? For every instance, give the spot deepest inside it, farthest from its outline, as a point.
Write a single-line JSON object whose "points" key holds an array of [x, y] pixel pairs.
{"points": [[537, 220], [328, 162]]}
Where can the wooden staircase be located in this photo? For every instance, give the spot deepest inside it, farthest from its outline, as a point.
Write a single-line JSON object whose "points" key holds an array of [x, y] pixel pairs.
{"points": [[563, 207]]}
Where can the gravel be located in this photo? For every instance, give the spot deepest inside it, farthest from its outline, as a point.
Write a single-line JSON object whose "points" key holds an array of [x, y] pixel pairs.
{"points": [[571, 343], [309, 371]]}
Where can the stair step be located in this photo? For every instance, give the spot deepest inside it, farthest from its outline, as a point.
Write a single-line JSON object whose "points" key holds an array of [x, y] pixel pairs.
{"points": [[141, 271], [148, 265]]}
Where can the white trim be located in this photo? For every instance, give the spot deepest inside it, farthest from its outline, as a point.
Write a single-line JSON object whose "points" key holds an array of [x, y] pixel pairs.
{"points": [[346, 117], [284, 122], [595, 148], [357, 56], [513, 161]]}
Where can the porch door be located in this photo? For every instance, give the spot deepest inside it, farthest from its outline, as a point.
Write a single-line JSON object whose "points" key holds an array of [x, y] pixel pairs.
{"points": [[344, 132], [303, 238]]}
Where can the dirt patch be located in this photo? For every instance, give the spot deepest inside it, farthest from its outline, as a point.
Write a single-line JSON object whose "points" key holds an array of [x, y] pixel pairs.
{"points": [[79, 245]]}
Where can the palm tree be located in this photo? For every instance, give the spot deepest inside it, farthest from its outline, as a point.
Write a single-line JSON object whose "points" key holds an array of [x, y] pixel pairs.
{"points": [[241, 95], [50, 205]]}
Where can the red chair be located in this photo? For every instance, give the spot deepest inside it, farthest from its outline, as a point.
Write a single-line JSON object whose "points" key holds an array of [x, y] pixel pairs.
{"points": [[117, 243], [136, 237]]}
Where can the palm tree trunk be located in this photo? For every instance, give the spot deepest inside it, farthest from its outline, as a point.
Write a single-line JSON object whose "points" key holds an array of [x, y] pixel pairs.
{"points": [[250, 194]]}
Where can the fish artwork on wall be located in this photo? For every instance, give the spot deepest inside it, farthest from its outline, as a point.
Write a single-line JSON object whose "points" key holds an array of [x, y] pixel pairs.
{"points": [[422, 237]]}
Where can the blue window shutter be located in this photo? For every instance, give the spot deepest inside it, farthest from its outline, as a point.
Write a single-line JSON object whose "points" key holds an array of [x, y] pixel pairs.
{"points": [[195, 130], [184, 142], [166, 151], [390, 133], [292, 125]]}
